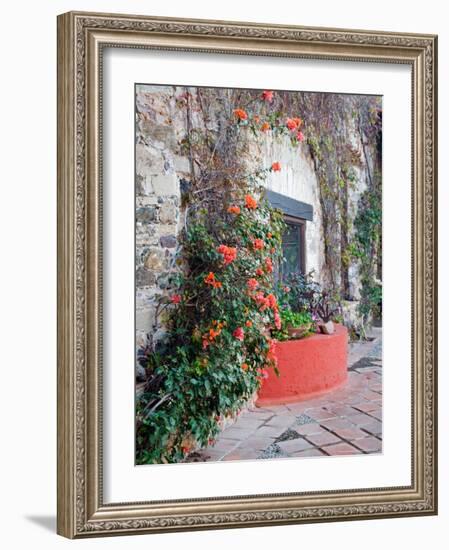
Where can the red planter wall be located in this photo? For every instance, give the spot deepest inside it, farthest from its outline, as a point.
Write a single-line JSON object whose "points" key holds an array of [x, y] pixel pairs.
{"points": [[308, 367]]}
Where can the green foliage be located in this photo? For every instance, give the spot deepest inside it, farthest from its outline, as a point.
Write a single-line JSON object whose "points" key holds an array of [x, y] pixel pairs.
{"points": [[368, 225], [297, 291], [221, 303], [292, 319], [212, 369], [300, 293], [332, 122], [368, 221]]}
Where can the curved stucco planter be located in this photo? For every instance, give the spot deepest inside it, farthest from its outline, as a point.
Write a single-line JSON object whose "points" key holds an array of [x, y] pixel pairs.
{"points": [[307, 368]]}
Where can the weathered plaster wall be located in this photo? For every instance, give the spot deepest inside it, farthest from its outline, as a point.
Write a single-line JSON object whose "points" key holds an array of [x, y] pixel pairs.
{"points": [[297, 179]]}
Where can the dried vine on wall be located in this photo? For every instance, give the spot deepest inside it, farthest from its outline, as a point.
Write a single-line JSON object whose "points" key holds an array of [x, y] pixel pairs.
{"points": [[345, 141]]}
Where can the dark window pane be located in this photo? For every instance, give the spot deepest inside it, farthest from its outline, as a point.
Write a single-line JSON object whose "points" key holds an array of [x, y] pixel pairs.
{"points": [[291, 234], [291, 249]]}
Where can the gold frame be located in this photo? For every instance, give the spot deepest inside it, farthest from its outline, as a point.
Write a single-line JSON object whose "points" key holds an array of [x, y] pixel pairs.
{"points": [[81, 37]]}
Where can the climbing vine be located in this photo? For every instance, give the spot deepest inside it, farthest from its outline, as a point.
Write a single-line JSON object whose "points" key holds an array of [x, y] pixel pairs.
{"points": [[220, 305], [368, 222], [368, 235], [344, 139]]}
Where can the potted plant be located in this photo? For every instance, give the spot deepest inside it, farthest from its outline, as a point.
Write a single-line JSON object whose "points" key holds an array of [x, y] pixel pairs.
{"points": [[324, 311], [300, 293], [294, 325]]}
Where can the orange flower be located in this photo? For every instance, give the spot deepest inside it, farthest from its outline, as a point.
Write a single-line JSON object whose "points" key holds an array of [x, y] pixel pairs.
{"points": [[267, 95], [250, 202], [249, 323], [271, 354], [269, 235], [244, 366], [258, 244], [241, 114], [276, 166], [259, 272], [262, 301], [252, 284], [265, 127], [272, 302], [229, 253], [210, 280], [234, 209], [268, 265], [291, 124], [277, 320], [256, 118], [213, 334]]}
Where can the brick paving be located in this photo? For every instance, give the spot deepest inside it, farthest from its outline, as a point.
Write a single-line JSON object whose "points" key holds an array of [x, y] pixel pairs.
{"points": [[347, 421]]}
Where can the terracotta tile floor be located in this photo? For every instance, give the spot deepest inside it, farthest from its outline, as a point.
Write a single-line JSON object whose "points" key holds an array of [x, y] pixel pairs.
{"points": [[347, 421]]}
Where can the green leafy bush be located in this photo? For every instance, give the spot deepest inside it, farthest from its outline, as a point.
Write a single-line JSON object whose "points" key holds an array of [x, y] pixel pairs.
{"points": [[216, 317], [297, 291], [220, 302], [291, 319]]}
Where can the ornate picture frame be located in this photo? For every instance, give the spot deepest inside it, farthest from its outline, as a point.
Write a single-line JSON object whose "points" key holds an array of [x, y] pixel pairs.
{"points": [[82, 38]]}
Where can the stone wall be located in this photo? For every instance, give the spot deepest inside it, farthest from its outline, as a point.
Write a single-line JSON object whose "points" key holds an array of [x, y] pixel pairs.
{"points": [[158, 171]]}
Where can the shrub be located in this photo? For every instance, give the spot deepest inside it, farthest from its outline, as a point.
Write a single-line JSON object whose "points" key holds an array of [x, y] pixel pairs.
{"points": [[301, 294], [220, 301], [297, 291], [291, 319], [216, 330]]}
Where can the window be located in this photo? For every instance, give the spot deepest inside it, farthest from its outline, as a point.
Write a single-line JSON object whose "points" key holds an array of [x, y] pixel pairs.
{"points": [[296, 215], [293, 247]]}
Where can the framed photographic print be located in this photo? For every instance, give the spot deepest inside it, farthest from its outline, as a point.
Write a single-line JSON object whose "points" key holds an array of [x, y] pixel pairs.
{"points": [[246, 274]]}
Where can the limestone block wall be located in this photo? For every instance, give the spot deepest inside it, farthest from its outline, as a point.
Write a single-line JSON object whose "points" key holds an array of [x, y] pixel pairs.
{"points": [[158, 172]]}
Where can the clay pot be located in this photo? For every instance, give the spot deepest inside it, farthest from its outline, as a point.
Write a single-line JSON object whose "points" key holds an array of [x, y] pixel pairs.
{"points": [[298, 332]]}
